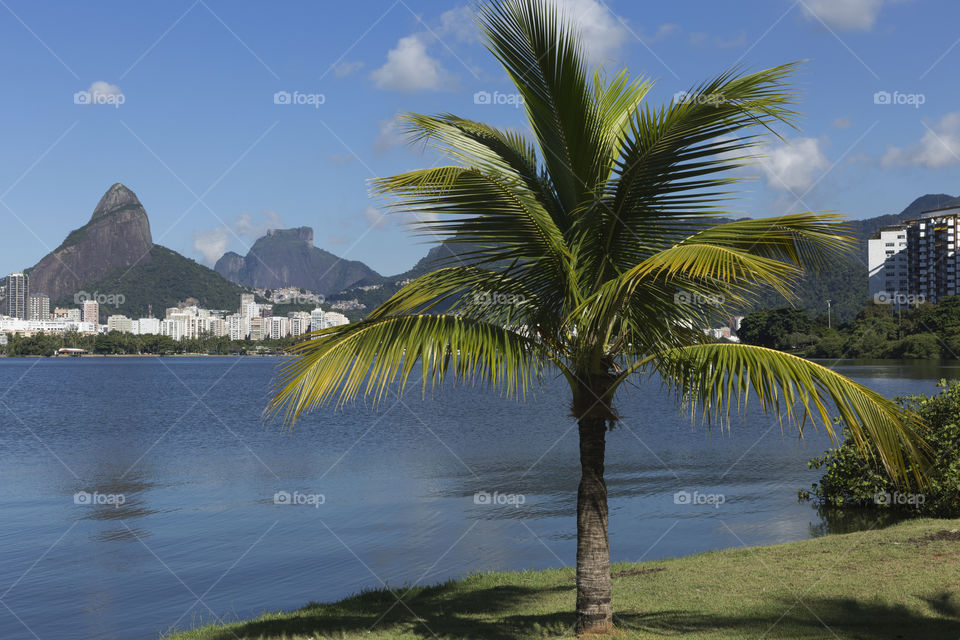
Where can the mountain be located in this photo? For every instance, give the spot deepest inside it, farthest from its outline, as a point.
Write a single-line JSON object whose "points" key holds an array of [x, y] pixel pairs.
{"points": [[162, 281], [112, 257], [117, 235], [287, 258]]}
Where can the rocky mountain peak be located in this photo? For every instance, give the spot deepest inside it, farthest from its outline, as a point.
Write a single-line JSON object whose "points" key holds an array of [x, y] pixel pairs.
{"points": [[116, 198], [304, 234]]}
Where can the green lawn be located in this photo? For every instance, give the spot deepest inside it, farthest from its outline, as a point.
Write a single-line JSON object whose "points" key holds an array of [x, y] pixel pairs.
{"points": [[899, 582]]}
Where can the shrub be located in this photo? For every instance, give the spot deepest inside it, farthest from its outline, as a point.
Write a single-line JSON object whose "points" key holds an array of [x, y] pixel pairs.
{"points": [[854, 481]]}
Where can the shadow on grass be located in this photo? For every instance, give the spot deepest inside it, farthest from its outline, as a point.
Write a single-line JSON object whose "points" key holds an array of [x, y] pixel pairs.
{"points": [[495, 614], [814, 618]]}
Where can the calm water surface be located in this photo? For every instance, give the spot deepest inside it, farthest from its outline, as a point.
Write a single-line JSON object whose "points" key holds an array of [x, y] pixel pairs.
{"points": [[199, 536]]}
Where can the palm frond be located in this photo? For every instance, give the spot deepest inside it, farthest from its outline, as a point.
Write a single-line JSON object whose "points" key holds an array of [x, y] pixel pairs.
{"points": [[718, 377], [379, 354]]}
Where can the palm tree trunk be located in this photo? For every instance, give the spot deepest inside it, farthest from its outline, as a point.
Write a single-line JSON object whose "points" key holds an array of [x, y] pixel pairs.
{"points": [[594, 609]]}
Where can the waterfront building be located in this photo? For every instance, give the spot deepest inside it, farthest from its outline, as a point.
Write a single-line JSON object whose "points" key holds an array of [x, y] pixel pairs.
{"points": [[119, 323], [18, 294], [145, 326], [334, 319], [316, 319], [91, 311], [38, 307]]}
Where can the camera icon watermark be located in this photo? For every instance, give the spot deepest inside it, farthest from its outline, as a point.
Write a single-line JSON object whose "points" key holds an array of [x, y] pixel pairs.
{"points": [[686, 298], [298, 98], [299, 499], [499, 499], [698, 499], [514, 100], [897, 98], [712, 99], [897, 298], [95, 97], [103, 299], [886, 499], [493, 298], [88, 499]]}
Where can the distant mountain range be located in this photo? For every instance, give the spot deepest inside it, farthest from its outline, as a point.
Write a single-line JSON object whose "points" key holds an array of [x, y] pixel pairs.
{"points": [[287, 258], [113, 253]]}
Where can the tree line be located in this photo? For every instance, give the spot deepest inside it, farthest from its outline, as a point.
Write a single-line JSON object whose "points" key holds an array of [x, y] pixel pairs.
{"points": [[116, 343], [924, 331]]}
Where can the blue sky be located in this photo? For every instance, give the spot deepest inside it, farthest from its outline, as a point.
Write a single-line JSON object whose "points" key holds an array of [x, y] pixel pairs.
{"points": [[188, 120]]}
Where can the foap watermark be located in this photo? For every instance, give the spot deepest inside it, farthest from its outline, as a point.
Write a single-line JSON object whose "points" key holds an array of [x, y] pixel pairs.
{"points": [[897, 499], [298, 498], [687, 298], [96, 97], [685, 97], [490, 298], [497, 498], [103, 299], [298, 97], [910, 99], [698, 499], [514, 100], [897, 298], [87, 499]]}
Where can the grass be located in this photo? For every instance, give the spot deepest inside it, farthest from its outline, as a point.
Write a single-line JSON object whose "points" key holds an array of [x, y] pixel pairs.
{"points": [[899, 582]]}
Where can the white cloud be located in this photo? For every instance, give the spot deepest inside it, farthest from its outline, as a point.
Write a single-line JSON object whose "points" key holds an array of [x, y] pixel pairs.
{"points": [[410, 67], [390, 136], [347, 68], [603, 34], [460, 24], [843, 14], [101, 88], [792, 166], [842, 123], [213, 243], [939, 146], [376, 218]]}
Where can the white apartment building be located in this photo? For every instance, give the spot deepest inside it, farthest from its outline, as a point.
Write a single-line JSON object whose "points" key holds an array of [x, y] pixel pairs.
{"points": [[316, 319], [123, 324], [238, 326], [279, 327], [145, 326], [173, 328], [334, 319], [299, 323], [888, 268]]}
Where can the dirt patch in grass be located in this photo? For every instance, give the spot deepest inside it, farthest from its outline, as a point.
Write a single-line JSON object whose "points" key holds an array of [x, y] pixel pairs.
{"points": [[944, 535]]}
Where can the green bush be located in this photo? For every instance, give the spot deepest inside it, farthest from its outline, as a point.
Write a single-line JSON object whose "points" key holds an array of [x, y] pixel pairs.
{"points": [[854, 481]]}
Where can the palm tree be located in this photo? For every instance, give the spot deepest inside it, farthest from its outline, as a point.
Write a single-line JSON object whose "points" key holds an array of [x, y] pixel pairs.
{"points": [[593, 250]]}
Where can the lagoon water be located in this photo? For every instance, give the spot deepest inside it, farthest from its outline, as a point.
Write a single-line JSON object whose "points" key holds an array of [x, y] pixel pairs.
{"points": [[199, 535]]}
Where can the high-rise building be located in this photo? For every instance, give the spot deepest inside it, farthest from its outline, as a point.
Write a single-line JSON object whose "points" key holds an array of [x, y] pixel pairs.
{"points": [[887, 261], [91, 311], [18, 292], [916, 261], [238, 326], [932, 254], [38, 307], [316, 319], [259, 328], [299, 323], [279, 327]]}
